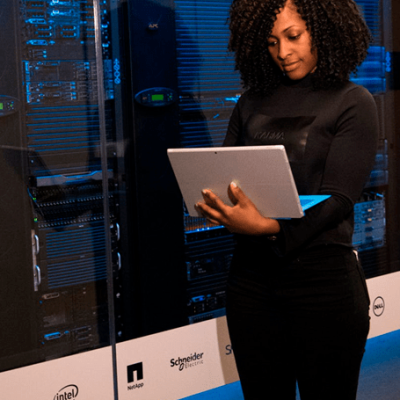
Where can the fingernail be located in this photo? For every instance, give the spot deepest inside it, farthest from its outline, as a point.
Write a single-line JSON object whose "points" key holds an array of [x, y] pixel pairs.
{"points": [[205, 191], [233, 184]]}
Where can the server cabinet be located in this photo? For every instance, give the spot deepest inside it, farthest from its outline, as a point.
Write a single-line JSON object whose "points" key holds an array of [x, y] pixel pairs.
{"points": [[154, 283], [59, 200]]}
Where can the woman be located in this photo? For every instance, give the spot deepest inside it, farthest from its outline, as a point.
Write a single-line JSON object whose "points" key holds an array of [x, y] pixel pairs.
{"points": [[297, 300]]}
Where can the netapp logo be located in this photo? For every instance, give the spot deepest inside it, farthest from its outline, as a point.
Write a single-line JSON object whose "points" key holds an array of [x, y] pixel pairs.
{"points": [[187, 362], [379, 306], [68, 392], [131, 369]]}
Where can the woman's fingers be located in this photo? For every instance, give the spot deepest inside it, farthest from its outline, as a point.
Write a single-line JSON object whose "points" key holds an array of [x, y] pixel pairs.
{"points": [[209, 213], [213, 200], [242, 218], [231, 194], [236, 194], [213, 208]]}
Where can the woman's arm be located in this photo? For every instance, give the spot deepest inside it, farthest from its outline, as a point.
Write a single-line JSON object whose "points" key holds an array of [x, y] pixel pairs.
{"points": [[348, 165]]}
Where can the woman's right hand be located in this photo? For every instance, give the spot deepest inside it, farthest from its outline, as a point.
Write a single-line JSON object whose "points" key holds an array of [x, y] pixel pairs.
{"points": [[243, 217]]}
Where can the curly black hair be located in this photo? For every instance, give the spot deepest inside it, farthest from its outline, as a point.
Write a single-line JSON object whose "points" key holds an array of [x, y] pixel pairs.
{"points": [[338, 32]]}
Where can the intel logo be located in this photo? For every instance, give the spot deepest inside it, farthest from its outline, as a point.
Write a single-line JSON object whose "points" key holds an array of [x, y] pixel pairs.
{"points": [[68, 392], [378, 306]]}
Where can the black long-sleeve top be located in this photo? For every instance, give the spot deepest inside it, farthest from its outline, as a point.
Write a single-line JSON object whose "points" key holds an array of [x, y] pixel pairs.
{"points": [[331, 138]]}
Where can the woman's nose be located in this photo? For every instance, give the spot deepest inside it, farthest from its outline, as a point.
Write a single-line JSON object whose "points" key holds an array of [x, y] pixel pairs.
{"points": [[283, 50]]}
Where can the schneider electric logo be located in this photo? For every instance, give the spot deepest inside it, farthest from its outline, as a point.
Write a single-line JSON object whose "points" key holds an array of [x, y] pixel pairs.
{"points": [[379, 306], [69, 392], [135, 374], [187, 362]]}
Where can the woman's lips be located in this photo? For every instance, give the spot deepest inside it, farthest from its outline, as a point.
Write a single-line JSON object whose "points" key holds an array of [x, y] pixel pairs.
{"points": [[290, 66]]}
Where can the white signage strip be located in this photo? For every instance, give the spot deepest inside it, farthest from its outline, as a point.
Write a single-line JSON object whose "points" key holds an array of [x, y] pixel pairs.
{"points": [[170, 365], [84, 376], [384, 292], [177, 363]]}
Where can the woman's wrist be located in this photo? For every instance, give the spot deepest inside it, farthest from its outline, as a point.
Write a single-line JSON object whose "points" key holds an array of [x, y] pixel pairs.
{"points": [[270, 227]]}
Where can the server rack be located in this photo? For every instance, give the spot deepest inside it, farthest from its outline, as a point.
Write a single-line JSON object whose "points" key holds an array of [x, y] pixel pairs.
{"points": [[154, 281], [59, 199]]}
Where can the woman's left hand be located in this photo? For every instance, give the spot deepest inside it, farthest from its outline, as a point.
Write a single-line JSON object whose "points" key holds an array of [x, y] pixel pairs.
{"points": [[243, 217]]}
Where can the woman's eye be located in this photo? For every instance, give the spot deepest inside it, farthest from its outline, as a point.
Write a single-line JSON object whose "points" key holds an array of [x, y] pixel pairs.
{"points": [[271, 44], [294, 37]]}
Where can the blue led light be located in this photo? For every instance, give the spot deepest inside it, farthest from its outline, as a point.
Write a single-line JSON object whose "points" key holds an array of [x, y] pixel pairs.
{"points": [[388, 62], [198, 299], [52, 336], [117, 72]]}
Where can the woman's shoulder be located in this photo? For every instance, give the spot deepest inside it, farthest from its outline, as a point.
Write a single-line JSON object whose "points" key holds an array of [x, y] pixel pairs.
{"points": [[249, 95], [352, 95], [247, 100], [250, 98], [353, 90]]}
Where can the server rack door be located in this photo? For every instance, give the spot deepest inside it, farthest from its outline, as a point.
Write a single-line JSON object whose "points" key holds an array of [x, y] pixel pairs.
{"points": [[183, 88], [156, 272], [209, 88], [16, 284], [59, 199]]}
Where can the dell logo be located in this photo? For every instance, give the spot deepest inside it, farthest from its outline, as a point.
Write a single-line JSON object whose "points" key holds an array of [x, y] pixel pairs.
{"points": [[379, 306], [131, 369]]}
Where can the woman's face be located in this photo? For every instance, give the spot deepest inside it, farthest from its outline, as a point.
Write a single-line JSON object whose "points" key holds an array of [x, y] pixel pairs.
{"points": [[290, 44]]}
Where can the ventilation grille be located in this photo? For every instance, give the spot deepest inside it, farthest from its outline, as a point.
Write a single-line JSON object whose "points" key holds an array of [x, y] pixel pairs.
{"points": [[76, 255]]}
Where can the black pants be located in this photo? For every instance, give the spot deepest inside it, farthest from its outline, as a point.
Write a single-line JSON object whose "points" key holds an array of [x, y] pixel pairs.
{"points": [[304, 319]]}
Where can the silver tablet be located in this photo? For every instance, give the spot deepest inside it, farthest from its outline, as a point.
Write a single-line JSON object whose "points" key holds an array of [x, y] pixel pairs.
{"points": [[262, 172]]}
